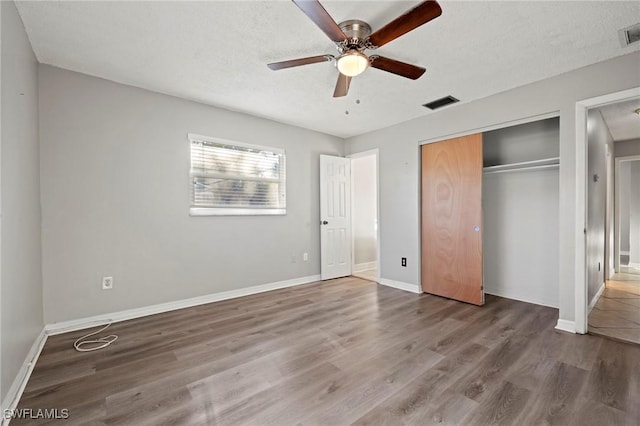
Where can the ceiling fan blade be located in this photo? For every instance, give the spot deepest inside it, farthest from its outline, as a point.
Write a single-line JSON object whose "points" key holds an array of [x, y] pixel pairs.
{"points": [[396, 67], [342, 86], [317, 13], [410, 20], [300, 61]]}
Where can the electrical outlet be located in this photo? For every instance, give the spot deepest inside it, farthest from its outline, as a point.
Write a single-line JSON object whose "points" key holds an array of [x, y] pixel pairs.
{"points": [[403, 262], [107, 283], [305, 257], [294, 259]]}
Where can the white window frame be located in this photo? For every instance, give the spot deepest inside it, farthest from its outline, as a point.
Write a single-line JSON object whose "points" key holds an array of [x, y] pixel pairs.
{"points": [[234, 211]]}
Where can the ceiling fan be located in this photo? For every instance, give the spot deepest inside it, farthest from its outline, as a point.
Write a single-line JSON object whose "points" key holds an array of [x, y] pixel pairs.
{"points": [[353, 37]]}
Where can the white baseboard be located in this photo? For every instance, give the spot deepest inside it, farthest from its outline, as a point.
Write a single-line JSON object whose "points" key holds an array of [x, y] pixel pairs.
{"points": [[413, 288], [565, 325], [634, 265], [507, 294], [20, 382], [79, 324], [595, 298], [359, 267]]}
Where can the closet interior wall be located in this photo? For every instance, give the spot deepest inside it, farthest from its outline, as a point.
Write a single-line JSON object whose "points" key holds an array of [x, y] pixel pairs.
{"points": [[521, 213]]}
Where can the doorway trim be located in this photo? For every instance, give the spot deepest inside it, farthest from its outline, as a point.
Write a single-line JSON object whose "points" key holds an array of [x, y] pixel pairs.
{"points": [[609, 248], [368, 153], [580, 266]]}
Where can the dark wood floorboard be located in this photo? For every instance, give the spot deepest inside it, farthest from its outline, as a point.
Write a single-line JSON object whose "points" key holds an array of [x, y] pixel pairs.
{"points": [[345, 351]]}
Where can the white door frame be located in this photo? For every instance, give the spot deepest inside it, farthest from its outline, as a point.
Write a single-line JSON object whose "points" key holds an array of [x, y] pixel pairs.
{"points": [[618, 213], [374, 152], [609, 249], [580, 266]]}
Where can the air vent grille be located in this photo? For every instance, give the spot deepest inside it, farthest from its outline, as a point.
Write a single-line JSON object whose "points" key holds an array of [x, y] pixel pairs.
{"points": [[439, 103], [630, 35]]}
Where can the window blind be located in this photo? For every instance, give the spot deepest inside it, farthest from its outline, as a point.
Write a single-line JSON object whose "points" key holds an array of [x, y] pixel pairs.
{"points": [[232, 178]]}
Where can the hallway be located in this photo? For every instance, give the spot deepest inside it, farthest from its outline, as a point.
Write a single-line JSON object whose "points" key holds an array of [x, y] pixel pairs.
{"points": [[617, 312]]}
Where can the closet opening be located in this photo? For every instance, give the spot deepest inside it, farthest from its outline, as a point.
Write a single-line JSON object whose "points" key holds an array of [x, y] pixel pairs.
{"points": [[520, 202], [490, 214]]}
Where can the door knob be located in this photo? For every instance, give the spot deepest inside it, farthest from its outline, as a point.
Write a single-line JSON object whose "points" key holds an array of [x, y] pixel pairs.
{"points": [[476, 228], [324, 222]]}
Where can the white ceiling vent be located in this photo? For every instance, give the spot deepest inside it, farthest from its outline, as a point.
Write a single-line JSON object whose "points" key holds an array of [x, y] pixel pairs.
{"points": [[629, 35]]}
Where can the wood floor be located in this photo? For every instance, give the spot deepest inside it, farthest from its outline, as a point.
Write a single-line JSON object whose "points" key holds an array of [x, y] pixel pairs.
{"points": [[346, 351], [627, 269], [617, 313], [369, 274]]}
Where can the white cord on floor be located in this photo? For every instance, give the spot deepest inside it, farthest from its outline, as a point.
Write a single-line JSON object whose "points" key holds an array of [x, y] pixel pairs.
{"points": [[102, 342]]}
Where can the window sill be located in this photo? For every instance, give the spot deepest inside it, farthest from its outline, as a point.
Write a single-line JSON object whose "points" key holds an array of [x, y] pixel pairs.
{"points": [[205, 211]]}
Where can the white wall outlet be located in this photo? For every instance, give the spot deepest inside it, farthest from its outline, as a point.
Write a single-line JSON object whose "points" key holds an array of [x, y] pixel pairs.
{"points": [[107, 283], [305, 257]]}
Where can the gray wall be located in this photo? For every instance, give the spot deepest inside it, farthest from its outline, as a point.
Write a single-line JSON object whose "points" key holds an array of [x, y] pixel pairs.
{"points": [[115, 200], [598, 137], [363, 172], [399, 160], [627, 148], [21, 292], [531, 141], [520, 214]]}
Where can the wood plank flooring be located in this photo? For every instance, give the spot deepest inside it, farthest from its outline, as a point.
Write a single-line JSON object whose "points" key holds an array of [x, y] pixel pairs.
{"points": [[369, 274], [345, 351], [617, 313]]}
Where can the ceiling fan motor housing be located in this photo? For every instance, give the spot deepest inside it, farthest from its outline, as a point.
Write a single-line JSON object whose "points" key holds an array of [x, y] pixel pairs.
{"points": [[357, 33]]}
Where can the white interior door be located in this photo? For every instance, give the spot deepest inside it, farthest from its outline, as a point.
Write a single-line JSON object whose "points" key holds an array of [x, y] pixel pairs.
{"points": [[335, 217]]}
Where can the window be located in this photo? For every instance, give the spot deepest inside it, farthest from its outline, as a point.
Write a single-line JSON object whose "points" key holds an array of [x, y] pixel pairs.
{"points": [[232, 178]]}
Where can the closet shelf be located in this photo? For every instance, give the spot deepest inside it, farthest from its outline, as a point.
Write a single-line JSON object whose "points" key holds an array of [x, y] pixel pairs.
{"points": [[545, 163]]}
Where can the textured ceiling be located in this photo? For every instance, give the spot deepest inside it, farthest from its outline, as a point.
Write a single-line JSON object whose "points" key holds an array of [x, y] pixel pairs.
{"points": [[621, 120], [216, 52]]}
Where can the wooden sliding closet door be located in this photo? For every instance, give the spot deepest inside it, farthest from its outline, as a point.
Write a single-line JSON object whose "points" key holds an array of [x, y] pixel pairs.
{"points": [[452, 219]]}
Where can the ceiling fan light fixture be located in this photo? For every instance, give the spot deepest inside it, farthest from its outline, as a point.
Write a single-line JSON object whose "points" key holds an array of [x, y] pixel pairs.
{"points": [[352, 63]]}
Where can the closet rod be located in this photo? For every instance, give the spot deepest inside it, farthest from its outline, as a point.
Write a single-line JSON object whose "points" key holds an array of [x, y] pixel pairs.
{"points": [[523, 169], [525, 165]]}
